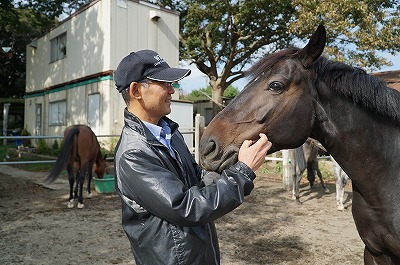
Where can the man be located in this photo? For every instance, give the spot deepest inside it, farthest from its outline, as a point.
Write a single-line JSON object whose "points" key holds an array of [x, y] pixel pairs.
{"points": [[169, 202]]}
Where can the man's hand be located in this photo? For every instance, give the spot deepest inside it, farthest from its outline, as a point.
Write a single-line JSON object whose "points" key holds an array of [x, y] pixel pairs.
{"points": [[253, 155]]}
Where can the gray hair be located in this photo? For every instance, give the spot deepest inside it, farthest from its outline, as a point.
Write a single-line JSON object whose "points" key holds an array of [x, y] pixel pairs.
{"points": [[126, 96]]}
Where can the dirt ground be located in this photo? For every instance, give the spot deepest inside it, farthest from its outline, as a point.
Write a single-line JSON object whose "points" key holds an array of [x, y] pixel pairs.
{"points": [[36, 227]]}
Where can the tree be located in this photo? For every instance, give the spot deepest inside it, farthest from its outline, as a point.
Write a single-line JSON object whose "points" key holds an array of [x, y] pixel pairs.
{"points": [[356, 30], [21, 22], [223, 37], [206, 93], [18, 27]]}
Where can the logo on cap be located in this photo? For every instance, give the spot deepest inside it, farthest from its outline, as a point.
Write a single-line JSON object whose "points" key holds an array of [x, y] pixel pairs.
{"points": [[158, 59]]}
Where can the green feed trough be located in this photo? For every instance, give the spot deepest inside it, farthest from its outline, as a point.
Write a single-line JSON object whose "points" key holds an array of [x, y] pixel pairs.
{"points": [[104, 185]]}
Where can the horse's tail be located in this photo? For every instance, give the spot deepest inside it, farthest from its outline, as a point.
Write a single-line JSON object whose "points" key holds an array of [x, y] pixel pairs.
{"points": [[64, 156]]}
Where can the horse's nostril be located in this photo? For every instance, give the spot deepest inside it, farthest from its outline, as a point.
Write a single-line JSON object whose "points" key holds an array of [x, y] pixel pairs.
{"points": [[208, 148]]}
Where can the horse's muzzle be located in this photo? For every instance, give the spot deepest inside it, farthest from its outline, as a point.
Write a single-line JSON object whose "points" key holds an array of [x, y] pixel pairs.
{"points": [[215, 158]]}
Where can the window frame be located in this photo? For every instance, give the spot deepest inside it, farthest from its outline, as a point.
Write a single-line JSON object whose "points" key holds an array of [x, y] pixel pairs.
{"points": [[58, 47], [58, 113]]}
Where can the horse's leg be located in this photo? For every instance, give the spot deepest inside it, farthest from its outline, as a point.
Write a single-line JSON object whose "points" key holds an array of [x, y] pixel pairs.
{"points": [[311, 174], [299, 165], [296, 183], [77, 177], [82, 176], [340, 186], [89, 192], [320, 177], [341, 181], [296, 187], [70, 170]]}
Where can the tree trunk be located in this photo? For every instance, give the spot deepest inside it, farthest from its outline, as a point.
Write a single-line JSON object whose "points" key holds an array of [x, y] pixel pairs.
{"points": [[217, 93]]}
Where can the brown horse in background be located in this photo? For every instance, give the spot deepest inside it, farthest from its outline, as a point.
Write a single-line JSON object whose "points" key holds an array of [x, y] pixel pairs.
{"points": [[294, 94], [80, 147]]}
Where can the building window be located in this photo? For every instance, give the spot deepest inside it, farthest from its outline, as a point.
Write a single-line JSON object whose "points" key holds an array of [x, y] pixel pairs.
{"points": [[58, 47], [58, 113]]}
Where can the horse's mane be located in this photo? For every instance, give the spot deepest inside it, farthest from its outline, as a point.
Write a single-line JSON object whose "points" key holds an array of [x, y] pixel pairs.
{"points": [[366, 90]]}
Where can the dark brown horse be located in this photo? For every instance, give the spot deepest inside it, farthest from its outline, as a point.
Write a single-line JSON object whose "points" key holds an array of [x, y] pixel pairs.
{"points": [[80, 147], [294, 94]]}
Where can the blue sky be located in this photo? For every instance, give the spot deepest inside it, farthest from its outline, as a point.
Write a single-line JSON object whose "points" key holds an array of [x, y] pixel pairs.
{"points": [[198, 80]]}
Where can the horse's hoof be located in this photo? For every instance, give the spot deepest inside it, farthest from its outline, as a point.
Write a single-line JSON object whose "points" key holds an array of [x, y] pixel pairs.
{"points": [[340, 207], [89, 195], [326, 190], [70, 204], [80, 205]]}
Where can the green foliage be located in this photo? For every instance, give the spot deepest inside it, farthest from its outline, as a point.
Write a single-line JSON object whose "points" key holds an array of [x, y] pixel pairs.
{"points": [[20, 22], [53, 8], [40, 167], [279, 167], [357, 33], [206, 93], [113, 143], [55, 150], [42, 147], [4, 149], [327, 173], [19, 26], [231, 92], [25, 142], [199, 94]]}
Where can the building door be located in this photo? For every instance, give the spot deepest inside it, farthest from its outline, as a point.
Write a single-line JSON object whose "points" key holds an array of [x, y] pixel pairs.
{"points": [[38, 127], [94, 113]]}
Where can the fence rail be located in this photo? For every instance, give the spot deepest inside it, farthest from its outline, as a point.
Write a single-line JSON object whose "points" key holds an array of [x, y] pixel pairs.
{"points": [[40, 137], [14, 137]]}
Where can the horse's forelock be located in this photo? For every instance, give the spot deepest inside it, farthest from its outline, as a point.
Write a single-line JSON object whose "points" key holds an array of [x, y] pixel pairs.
{"points": [[269, 61]]}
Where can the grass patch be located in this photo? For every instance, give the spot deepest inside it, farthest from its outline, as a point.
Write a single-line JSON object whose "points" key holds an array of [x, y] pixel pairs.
{"points": [[3, 151], [41, 167]]}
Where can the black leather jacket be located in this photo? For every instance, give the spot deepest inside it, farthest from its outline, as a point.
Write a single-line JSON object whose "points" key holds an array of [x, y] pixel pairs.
{"points": [[169, 204]]}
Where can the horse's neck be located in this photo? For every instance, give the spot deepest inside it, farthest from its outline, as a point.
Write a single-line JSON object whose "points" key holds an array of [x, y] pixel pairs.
{"points": [[354, 135], [99, 158]]}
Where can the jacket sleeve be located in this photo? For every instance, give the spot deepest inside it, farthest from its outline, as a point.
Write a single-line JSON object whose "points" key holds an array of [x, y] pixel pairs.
{"points": [[144, 179]]}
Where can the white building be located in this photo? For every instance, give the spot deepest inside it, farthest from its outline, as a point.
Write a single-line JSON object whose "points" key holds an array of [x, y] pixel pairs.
{"points": [[69, 70]]}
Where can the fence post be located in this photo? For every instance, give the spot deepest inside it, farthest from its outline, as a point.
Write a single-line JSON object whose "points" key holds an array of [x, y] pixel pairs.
{"points": [[288, 168], [198, 129], [5, 120]]}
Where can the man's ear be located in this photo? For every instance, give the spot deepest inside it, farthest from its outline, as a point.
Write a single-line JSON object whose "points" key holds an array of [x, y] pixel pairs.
{"points": [[134, 90]]}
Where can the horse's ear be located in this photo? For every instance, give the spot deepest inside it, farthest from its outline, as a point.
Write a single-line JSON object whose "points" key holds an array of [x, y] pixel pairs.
{"points": [[314, 48]]}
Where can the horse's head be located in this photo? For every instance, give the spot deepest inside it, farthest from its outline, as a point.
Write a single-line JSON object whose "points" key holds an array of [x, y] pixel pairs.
{"points": [[279, 97], [100, 166]]}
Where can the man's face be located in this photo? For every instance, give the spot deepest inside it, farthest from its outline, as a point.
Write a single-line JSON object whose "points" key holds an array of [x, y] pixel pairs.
{"points": [[156, 98]]}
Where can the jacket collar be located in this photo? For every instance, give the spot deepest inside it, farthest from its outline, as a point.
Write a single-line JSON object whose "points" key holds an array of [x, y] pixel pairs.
{"points": [[133, 122]]}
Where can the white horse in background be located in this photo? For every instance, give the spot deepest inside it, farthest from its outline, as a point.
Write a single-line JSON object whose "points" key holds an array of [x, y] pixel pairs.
{"points": [[305, 157], [341, 179]]}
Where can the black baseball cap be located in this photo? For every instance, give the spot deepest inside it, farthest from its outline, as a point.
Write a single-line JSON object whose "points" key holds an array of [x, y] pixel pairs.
{"points": [[145, 64]]}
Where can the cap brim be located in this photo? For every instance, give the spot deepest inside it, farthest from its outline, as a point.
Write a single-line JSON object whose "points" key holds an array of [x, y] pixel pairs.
{"points": [[170, 75]]}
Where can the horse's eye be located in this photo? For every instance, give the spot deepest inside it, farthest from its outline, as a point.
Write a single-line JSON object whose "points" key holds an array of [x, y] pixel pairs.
{"points": [[275, 86]]}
